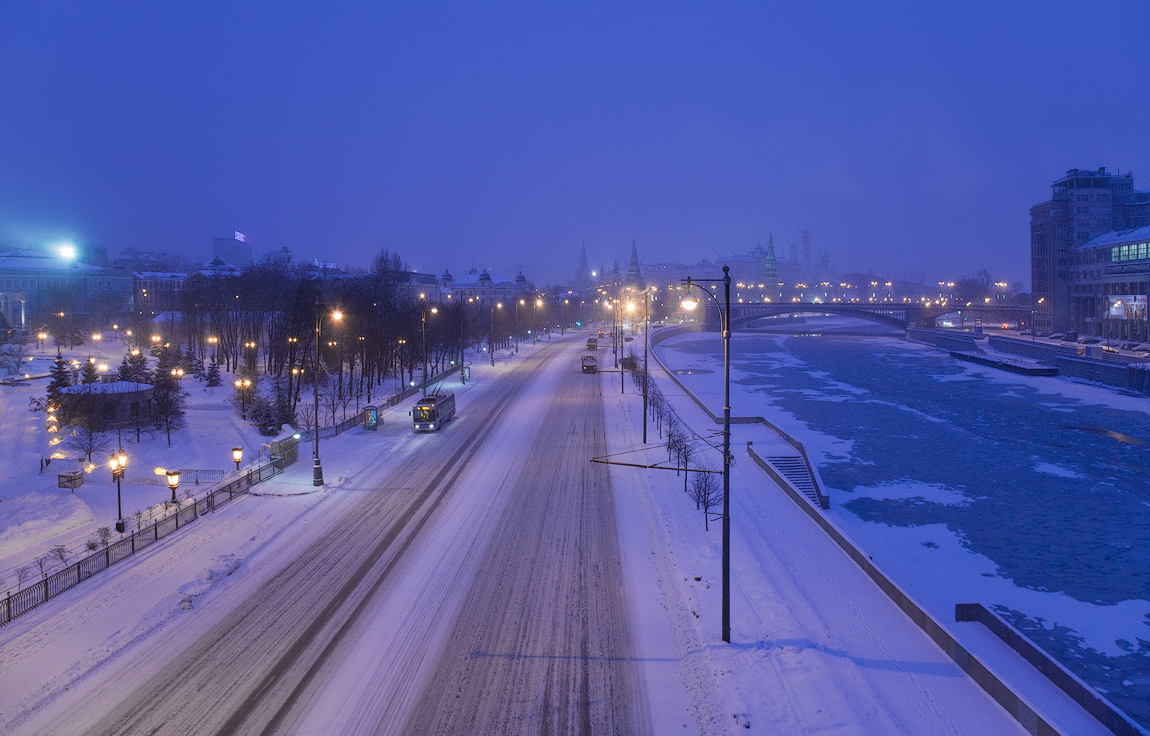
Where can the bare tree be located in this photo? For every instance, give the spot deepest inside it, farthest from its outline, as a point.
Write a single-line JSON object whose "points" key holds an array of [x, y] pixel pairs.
{"points": [[686, 452], [707, 494], [60, 552], [104, 534], [22, 574], [675, 439], [89, 440], [42, 562]]}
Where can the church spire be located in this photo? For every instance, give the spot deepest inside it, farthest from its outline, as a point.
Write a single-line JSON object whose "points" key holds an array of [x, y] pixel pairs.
{"points": [[634, 271], [583, 282], [771, 268]]}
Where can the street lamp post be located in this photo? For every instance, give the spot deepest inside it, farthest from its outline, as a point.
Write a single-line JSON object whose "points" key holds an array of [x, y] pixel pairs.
{"points": [[174, 483], [646, 323], [521, 301], [535, 321], [433, 310], [237, 456], [491, 336], [317, 466], [242, 385], [689, 304], [462, 340], [615, 333], [118, 464], [563, 327]]}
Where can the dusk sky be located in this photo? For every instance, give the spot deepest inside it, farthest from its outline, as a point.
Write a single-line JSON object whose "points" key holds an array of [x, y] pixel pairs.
{"points": [[909, 138]]}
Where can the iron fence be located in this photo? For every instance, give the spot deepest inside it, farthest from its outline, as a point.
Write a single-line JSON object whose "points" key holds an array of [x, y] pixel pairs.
{"points": [[192, 475], [18, 603]]}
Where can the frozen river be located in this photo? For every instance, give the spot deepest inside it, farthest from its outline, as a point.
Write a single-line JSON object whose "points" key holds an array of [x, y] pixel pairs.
{"points": [[966, 484]]}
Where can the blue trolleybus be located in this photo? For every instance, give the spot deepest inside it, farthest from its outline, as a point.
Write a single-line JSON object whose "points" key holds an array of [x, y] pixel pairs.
{"points": [[433, 411]]}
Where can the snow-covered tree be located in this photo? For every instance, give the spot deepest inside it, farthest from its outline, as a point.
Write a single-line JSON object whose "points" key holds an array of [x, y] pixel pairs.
{"points": [[134, 367], [61, 378], [213, 374]]}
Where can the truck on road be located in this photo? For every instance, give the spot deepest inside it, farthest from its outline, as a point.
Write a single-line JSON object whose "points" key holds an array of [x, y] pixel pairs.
{"points": [[590, 365]]}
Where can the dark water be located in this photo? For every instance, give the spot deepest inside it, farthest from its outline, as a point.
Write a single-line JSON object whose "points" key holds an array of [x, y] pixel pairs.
{"points": [[918, 416]]}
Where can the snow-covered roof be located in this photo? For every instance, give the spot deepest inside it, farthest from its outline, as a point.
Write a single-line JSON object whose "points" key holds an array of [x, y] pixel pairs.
{"points": [[116, 387], [472, 279], [158, 275], [1119, 237]]}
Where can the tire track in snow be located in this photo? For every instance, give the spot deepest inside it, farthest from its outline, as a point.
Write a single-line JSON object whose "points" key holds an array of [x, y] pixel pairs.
{"points": [[544, 644]]}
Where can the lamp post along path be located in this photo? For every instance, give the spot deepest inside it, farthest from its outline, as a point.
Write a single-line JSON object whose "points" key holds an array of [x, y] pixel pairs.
{"points": [[317, 466], [689, 304]]}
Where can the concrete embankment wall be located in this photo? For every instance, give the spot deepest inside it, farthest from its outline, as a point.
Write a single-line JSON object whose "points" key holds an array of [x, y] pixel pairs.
{"points": [[816, 479], [944, 340], [1044, 351], [1119, 371]]}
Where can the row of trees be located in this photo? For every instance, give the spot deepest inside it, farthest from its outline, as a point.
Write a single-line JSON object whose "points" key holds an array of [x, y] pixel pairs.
{"points": [[700, 482], [264, 321]]}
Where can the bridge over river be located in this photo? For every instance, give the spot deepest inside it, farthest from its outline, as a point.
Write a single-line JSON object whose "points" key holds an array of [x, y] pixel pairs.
{"points": [[895, 315]]}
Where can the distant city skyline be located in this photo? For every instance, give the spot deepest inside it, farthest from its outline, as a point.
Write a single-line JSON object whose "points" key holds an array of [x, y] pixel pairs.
{"points": [[908, 140]]}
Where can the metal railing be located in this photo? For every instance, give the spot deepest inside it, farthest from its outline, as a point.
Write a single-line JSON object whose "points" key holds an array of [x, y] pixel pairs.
{"points": [[192, 475], [18, 603]]}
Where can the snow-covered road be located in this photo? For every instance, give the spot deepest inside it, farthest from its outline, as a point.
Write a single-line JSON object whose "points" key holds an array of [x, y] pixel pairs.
{"points": [[485, 579]]}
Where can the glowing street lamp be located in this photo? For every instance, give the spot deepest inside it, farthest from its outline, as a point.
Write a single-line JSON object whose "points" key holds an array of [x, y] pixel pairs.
{"points": [[690, 303], [317, 466], [491, 337], [173, 483], [517, 305], [238, 456], [535, 321], [243, 385], [433, 310], [117, 465]]}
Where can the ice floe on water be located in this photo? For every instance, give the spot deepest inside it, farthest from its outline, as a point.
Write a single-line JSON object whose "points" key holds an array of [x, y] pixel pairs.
{"points": [[1053, 469]]}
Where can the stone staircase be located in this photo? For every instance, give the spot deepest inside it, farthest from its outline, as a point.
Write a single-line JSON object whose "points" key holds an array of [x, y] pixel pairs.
{"points": [[794, 469]]}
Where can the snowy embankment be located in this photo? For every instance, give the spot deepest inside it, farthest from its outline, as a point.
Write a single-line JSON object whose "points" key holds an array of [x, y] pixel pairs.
{"points": [[817, 647], [893, 557]]}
